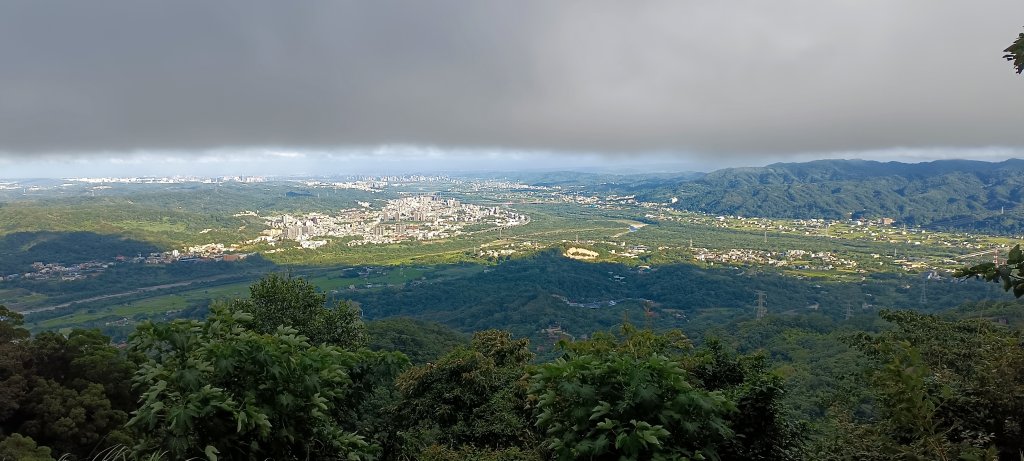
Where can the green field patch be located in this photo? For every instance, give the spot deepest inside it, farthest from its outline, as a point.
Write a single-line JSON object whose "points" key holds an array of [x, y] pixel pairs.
{"points": [[11, 293], [20, 297], [332, 280], [150, 306]]}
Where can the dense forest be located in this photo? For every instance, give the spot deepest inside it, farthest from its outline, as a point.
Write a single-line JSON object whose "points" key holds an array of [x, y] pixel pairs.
{"points": [[528, 295], [288, 374]]}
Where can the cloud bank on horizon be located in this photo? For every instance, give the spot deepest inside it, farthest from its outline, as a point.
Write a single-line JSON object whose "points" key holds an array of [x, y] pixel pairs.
{"points": [[740, 80]]}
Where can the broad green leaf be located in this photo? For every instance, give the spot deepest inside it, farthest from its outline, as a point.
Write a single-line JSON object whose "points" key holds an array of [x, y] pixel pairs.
{"points": [[211, 453], [1016, 255]]}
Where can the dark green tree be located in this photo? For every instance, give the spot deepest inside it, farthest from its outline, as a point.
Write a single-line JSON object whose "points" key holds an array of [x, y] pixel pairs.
{"points": [[943, 389], [282, 300], [369, 407], [73, 420], [472, 400], [10, 326], [20, 448], [764, 428], [421, 341], [70, 394], [464, 453], [628, 398], [13, 361], [85, 357], [219, 389]]}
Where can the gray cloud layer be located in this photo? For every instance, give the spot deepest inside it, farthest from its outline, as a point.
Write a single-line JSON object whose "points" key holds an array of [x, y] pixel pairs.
{"points": [[727, 77]]}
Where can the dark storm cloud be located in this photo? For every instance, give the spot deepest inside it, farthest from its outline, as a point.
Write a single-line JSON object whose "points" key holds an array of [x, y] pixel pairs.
{"points": [[608, 76]]}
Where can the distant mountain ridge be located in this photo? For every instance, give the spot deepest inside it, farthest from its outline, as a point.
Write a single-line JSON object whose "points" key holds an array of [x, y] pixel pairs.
{"points": [[956, 194], [824, 170]]}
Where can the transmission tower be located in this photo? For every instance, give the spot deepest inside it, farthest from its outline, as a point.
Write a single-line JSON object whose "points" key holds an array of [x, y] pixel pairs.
{"points": [[924, 293], [762, 304], [849, 311]]}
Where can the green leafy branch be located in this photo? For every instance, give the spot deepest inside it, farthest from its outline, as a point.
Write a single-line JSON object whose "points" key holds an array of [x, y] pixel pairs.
{"points": [[1011, 274], [1015, 53]]}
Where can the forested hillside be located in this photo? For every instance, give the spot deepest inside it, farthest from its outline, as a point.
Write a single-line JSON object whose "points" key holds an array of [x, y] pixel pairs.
{"points": [[20, 249], [527, 295], [285, 374], [960, 194]]}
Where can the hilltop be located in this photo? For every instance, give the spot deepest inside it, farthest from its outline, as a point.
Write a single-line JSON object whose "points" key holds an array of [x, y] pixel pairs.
{"points": [[944, 194]]}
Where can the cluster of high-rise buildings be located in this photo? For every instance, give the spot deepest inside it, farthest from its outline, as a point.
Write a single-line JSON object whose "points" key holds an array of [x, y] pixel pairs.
{"points": [[433, 208], [423, 217]]}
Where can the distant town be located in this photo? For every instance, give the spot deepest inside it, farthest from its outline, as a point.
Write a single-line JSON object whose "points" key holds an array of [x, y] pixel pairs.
{"points": [[70, 272], [426, 217], [423, 217]]}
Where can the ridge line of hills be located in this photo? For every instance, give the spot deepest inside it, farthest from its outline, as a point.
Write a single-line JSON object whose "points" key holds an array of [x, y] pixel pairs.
{"points": [[966, 195]]}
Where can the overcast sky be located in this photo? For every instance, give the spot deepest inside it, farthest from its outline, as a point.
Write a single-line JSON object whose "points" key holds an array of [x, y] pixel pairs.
{"points": [[316, 86]]}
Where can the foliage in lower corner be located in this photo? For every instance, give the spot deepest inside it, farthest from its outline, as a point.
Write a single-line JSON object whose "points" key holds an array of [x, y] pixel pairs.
{"points": [[473, 399], [214, 389], [763, 427], [610, 399], [443, 453], [17, 447], [942, 389]]}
